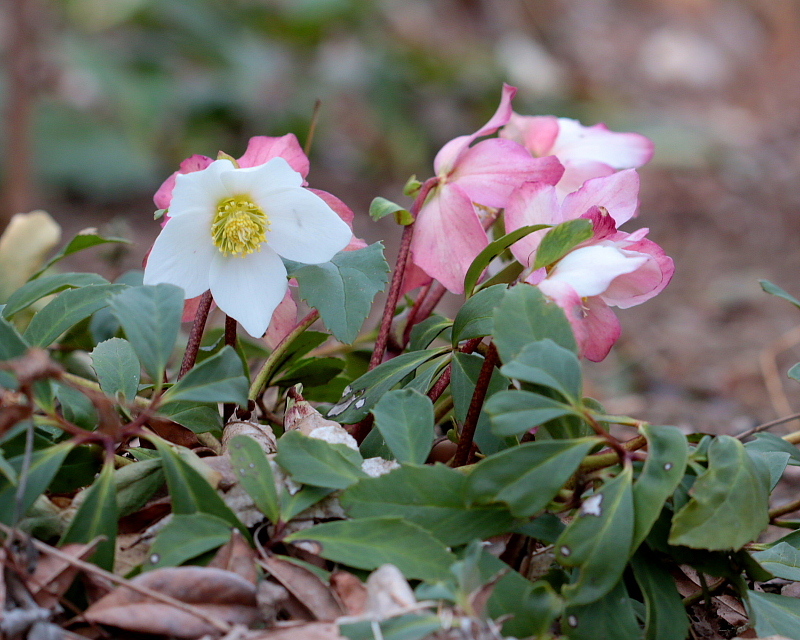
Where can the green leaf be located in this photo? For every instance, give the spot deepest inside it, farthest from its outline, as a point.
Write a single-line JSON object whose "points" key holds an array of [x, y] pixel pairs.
{"points": [[405, 419], [774, 615], [218, 379], [476, 318], [562, 239], [362, 395], [432, 497], [381, 207], [342, 290], [515, 412], [368, 543], [770, 443], [197, 416], [729, 501], [77, 408], [37, 289], [136, 483], [300, 346], [97, 516], [666, 616], [667, 453], [252, 467], [117, 368], [311, 372], [775, 290], [466, 368], [611, 616], [295, 503], [524, 316], [189, 491], [794, 372], [67, 310], [550, 365], [427, 331], [12, 345], [319, 463], [492, 250], [410, 626], [83, 240], [43, 468], [186, 537], [598, 541], [151, 318], [7, 471], [527, 477]]}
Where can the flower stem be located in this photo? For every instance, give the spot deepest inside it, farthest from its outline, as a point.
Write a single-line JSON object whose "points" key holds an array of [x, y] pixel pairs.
{"points": [[473, 413], [274, 359], [767, 425], [230, 340], [397, 277], [196, 335]]}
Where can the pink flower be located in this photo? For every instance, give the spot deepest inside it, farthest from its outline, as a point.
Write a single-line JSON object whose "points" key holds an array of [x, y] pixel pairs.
{"points": [[613, 268], [585, 152], [448, 232]]}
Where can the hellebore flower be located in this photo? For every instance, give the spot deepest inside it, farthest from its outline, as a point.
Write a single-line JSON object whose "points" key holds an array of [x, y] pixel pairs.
{"points": [[228, 230], [448, 232], [585, 152], [613, 268]]}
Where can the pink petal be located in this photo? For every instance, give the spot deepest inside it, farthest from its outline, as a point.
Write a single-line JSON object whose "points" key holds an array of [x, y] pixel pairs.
{"points": [[576, 172], [591, 269], [617, 193], [261, 149], [413, 277], [190, 308], [448, 236], [533, 203], [536, 133], [492, 169], [284, 320], [603, 225], [649, 280], [163, 196], [448, 155], [619, 150]]}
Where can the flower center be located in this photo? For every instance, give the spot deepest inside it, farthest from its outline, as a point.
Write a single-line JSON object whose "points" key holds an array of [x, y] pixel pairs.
{"points": [[240, 226]]}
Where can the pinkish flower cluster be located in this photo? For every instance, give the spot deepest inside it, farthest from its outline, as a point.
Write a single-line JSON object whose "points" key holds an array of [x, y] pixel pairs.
{"points": [[546, 170]]}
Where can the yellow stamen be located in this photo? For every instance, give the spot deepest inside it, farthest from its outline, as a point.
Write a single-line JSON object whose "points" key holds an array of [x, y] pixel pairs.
{"points": [[240, 226]]}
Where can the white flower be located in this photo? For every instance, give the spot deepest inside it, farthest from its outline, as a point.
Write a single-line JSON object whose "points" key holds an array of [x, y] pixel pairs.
{"points": [[228, 230]]}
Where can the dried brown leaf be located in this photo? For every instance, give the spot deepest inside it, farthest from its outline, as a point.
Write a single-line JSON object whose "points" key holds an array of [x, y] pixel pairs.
{"points": [[261, 433], [237, 556], [308, 631], [53, 576], [221, 595], [351, 592], [302, 583]]}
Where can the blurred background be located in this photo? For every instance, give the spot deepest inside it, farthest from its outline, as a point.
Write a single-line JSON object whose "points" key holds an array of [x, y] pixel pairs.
{"points": [[103, 98]]}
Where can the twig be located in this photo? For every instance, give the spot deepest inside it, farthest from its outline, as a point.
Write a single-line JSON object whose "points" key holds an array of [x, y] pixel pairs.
{"points": [[196, 335], [767, 425], [475, 406], [312, 128], [218, 624], [794, 505]]}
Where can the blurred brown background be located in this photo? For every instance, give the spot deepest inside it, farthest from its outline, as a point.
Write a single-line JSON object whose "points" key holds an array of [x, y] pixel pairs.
{"points": [[103, 98]]}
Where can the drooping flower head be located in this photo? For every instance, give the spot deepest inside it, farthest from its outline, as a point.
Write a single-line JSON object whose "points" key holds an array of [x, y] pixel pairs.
{"points": [[585, 152], [448, 232], [228, 229]]}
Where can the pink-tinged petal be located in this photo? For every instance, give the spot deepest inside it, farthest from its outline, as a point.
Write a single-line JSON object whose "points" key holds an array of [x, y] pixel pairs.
{"points": [[594, 325], [302, 227], [492, 169], [448, 236], [193, 163], [603, 225], [536, 133], [533, 203], [619, 150], [181, 255], [649, 280], [448, 155], [413, 277], [590, 270], [344, 212], [576, 172], [200, 191], [284, 320], [190, 308], [262, 149], [617, 193], [249, 288]]}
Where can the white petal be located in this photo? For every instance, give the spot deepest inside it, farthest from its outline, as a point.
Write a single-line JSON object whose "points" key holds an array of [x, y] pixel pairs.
{"points": [[590, 270], [263, 179], [249, 288], [182, 254], [303, 228], [200, 190]]}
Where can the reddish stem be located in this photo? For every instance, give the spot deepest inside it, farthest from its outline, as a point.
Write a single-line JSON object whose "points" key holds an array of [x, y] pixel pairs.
{"points": [[196, 335], [475, 405], [397, 277], [444, 380]]}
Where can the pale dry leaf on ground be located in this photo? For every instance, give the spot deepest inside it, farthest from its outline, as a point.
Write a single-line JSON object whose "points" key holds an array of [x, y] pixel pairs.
{"points": [[351, 592], [306, 631], [237, 556], [272, 598], [220, 594], [261, 433], [53, 576], [319, 598], [388, 593]]}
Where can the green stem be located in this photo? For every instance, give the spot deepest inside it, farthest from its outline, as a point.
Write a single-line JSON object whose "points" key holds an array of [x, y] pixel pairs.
{"points": [[274, 359], [610, 458]]}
